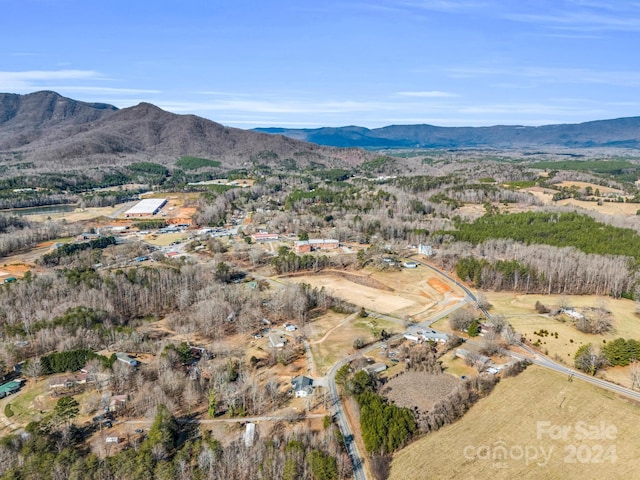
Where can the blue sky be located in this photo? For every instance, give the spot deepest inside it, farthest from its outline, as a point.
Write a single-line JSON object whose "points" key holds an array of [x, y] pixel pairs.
{"points": [[301, 63]]}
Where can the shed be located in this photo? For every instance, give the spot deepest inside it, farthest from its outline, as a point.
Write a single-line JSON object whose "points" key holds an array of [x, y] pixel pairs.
{"points": [[250, 434], [123, 357]]}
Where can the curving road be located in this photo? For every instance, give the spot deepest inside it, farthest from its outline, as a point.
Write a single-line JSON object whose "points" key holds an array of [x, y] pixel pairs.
{"points": [[342, 422], [540, 359], [546, 362], [338, 411]]}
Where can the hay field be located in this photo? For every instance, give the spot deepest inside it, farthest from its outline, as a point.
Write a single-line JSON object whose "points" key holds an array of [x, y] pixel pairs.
{"points": [[583, 185], [523, 415], [608, 208]]}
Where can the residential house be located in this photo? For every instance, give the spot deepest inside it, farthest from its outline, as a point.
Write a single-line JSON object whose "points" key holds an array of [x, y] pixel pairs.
{"points": [[302, 386], [67, 381], [117, 402], [377, 367]]}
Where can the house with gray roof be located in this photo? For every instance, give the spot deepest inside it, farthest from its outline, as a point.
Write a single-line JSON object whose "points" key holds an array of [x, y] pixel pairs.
{"points": [[302, 386]]}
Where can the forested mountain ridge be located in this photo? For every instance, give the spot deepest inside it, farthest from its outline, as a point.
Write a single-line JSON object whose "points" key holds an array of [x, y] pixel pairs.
{"points": [[52, 132], [618, 133]]}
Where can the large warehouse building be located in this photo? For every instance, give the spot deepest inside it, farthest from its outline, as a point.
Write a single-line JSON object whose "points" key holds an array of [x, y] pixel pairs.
{"points": [[146, 208]]}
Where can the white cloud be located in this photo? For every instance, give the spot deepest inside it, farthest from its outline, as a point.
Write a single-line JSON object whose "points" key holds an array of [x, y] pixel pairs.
{"points": [[38, 79], [428, 94], [288, 106], [104, 90], [453, 6], [583, 15], [553, 75]]}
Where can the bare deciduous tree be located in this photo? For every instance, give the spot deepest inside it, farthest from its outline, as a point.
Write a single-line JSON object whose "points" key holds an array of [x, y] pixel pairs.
{"points": [[634, 372]]}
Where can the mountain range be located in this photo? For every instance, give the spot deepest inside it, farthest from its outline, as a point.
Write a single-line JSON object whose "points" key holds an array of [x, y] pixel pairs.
{"points": [[618, 133], [46, 131]]}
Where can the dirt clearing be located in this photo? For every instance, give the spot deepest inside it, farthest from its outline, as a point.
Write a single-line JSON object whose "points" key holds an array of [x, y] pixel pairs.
{"points": [[407, 292], [419, 389]]}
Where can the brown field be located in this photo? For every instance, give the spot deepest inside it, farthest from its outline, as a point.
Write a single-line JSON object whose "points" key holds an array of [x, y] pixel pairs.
{"points": [[419, 389], [77, 215], [608, 208], [17, 270], [517, 416], [583, 185], [519, 311], [543, 194], [361, 295], [439, 285], [165, 239]]}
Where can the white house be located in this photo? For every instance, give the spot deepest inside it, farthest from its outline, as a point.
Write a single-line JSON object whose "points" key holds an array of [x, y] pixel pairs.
{"points": [[412, 337]]}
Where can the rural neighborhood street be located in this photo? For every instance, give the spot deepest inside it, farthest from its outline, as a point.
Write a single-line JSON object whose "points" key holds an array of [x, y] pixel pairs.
{"points": [[535, 357]]}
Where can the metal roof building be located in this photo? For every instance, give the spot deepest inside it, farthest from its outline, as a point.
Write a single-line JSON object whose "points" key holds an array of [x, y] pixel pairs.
{"points": [[146, 207]]}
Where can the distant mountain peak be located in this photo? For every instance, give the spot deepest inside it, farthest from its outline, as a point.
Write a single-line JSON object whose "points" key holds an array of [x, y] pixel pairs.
{"points": [[45, 127], [618, 133]]}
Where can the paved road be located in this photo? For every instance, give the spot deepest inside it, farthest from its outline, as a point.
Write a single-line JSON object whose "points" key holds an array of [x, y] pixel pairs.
{"points": [[538, 359], [343, 423], [542, 360], [338, 412]]}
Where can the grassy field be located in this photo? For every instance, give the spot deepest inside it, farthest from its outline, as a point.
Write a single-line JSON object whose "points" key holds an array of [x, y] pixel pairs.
{"points": [[456, 366], [165, 239], [22, 403], [519, 311], [331, 337], [541, 420]]}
